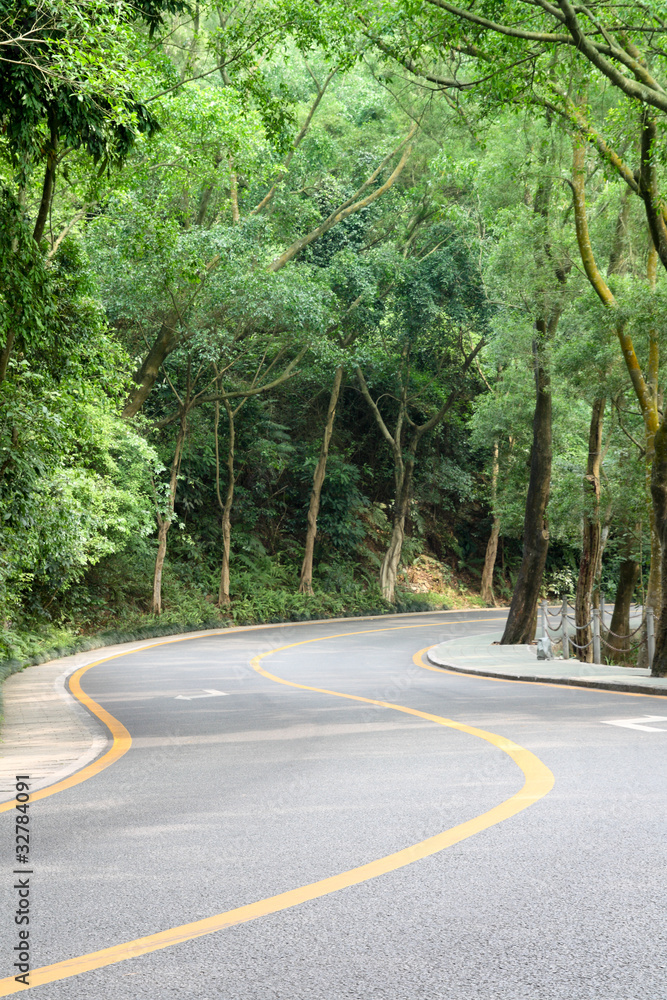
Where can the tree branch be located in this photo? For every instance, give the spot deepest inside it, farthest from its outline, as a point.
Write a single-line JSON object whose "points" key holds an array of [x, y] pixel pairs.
{"points": [[295, 145], [375, 410], [350, 206], [453, 396]]}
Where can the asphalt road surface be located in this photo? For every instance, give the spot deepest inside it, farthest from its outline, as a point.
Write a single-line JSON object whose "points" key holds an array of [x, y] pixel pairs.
{"points": [[226, 799]]}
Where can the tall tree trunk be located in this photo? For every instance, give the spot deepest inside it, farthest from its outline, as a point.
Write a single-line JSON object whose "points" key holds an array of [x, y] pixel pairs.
{"points": [[654, 587], [659, 495], [403, 470], [223, 591], [306, 581], [619, 628], [164, 523], [520, 627], [590, 550], [163, 528], [646, 390], [492, 544], [653, 597], [392, 558], [206, 193]]}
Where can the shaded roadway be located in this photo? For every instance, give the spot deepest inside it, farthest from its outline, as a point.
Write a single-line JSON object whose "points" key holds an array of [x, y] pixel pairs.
{"points": [[225, 800]]}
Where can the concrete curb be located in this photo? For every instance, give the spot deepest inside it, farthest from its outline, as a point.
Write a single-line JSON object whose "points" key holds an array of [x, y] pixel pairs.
{"points": [[459, 657]]}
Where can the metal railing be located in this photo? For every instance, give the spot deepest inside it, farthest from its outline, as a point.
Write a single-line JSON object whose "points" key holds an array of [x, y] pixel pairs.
{"points": [[566, 629]]}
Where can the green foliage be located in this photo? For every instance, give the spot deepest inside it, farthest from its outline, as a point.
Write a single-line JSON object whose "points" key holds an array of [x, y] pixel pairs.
{"points": [[62, 77], [28, 307], [252, 153], [74, 479]]}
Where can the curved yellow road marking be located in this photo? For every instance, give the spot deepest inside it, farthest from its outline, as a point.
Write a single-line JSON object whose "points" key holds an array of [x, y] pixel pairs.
{"points": [[122, 741], [539, 781], [120, 736]]}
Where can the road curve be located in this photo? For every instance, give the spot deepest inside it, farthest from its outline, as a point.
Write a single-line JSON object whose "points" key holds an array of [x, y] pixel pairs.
{"points": [[250, 779]]}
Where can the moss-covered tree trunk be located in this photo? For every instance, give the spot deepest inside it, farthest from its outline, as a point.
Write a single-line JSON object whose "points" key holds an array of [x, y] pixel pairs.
{"points": [[591, 537]]}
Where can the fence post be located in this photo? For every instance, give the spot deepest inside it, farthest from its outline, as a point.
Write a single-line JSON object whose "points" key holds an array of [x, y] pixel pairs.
{"points": [[602, 609], [563, 626], [650, 636], [596, 636], [544, 619]]}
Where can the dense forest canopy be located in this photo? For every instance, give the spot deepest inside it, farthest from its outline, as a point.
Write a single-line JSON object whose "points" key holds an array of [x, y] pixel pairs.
{"points": [[313, 309]]}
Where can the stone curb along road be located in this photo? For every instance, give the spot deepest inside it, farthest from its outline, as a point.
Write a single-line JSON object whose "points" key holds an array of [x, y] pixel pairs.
{"points": [[476, 655], [50, 735]]}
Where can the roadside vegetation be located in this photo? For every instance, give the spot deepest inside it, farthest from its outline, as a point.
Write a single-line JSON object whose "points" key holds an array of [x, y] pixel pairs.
{"points": [[318, 310]]}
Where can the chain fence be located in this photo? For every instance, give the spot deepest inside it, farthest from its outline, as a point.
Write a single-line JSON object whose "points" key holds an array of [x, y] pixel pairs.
{"points": [[561, 626]]}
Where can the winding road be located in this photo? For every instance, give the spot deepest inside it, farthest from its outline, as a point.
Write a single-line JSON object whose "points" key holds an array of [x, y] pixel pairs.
{"points": [[311, 812]]}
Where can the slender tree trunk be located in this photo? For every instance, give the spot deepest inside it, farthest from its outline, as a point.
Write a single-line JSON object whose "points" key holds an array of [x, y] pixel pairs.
{"points": [[234, 192], [207, 191], [49, 180], [194, 43], [645, 389], [156, 607], [487, 594], [164, 523], [590, 550], [522, 616], [654, 587], [306, 581], [659, 495], [223, 591], [653, 597], [619, 628], [403, 470], [492, 545], [392, 558], [391, 561]]}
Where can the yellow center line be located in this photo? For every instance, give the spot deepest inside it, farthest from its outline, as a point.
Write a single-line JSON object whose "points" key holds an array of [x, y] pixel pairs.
{"points": [[538, 782], [121, 739]]}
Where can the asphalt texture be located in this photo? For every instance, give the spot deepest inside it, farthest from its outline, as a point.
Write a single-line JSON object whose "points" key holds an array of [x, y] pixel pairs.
{"points": [[225, 800]]}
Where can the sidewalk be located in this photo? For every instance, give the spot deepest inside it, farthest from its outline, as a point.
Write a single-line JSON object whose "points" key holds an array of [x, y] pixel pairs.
{"points": [[476, 655], [47, 733]]}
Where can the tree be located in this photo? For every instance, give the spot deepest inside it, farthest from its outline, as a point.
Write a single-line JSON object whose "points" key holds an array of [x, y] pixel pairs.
{"points": [[540, 62], [437, 300]]}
